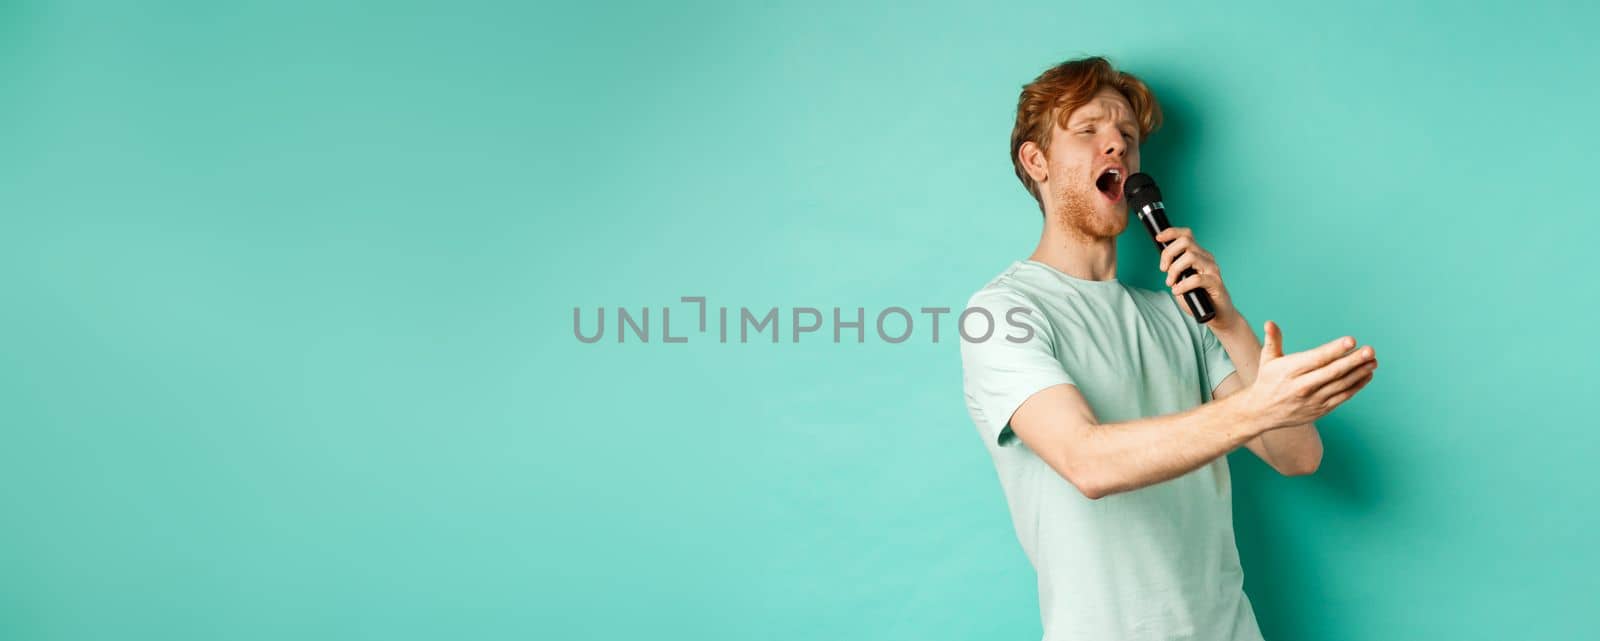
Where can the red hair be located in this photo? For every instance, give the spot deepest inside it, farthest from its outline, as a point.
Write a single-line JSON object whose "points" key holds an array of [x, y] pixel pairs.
{"points": [[1060, 90]]}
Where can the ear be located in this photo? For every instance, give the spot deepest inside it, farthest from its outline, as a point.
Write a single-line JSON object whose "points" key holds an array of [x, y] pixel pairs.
{"points": [[1034, 161]]}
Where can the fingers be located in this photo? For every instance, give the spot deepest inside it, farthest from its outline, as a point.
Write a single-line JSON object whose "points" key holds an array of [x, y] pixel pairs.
{"points": [[1272, 347], [1184, 248], [1173, 233], [1174, 249], [1339, 368], [1195, 259], [1349, 380], [1177, 240], [1197, 281], [1320, 356], [1175, 270], [1339, 399]]}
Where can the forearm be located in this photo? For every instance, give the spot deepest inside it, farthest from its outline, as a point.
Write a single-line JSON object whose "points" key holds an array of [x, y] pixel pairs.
{"points": [[1239, 339], [1123, 456]]}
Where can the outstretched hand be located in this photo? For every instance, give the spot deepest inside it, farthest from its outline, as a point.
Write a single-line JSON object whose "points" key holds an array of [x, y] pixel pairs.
{"points": [[1304, 386]]}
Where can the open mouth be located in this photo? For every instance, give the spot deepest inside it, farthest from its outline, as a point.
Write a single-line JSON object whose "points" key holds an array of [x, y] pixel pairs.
{"points": [[1110, 183]]}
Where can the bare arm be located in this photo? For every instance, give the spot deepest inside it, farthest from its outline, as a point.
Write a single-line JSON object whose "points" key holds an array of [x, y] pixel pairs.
{"points": [[1058, 425]]}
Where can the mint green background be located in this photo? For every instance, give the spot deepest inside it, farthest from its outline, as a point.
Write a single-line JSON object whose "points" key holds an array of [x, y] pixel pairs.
{"points": [[288, 293]]}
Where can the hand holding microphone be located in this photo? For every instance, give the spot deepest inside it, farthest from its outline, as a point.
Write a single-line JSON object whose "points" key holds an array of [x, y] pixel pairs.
{"points": [[1192, 271]]}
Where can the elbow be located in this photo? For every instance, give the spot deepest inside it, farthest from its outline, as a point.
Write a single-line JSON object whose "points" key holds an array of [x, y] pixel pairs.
{"points": [[1302, 466], [1092, 492], [1092, 484]]}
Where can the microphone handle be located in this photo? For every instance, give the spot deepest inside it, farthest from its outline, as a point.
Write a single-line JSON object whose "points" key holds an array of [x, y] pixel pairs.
{"points": [[1154, 217]]}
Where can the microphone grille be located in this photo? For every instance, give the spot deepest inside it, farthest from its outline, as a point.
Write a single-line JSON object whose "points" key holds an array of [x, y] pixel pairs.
{"points": [[1140, 190]]}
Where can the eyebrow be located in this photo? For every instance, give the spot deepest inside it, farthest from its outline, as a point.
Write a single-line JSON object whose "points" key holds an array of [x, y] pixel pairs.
{"points": [[1101, 117]]}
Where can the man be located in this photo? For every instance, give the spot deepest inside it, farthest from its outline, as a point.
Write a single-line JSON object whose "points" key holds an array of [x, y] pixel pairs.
{"points": [[1109, 421]]}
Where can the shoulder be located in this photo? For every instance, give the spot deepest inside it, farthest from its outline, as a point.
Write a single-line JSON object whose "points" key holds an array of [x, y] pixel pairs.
{"points": [[1009, 302], [1005, 291]]}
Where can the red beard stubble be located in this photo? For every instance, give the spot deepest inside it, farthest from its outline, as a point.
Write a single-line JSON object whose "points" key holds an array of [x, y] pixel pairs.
{"points": [[1077, 216]]}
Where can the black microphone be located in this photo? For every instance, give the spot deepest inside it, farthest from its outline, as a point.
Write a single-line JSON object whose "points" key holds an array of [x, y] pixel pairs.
{"points": [[1144, 198]]}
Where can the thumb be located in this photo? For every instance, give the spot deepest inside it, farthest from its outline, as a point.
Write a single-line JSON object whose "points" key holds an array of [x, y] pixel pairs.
{"points": [[1272, 347]]}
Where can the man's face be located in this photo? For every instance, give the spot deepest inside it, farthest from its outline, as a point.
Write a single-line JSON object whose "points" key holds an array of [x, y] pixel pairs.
{"points": [[1088, 161]]}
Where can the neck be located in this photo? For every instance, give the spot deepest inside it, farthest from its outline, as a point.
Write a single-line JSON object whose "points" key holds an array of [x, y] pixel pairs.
{"points": [[1075, 254]]}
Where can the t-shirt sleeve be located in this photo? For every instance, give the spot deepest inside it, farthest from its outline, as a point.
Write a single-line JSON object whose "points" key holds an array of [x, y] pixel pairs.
{"points": [[1015, 361], [1218, 365]]}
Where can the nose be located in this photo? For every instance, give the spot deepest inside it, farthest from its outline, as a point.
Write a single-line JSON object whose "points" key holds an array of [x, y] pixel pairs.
{"points": [[1116, 147]]}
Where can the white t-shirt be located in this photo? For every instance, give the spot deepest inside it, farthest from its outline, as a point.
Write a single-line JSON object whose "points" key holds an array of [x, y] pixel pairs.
{"points": [[1157, 563]]}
